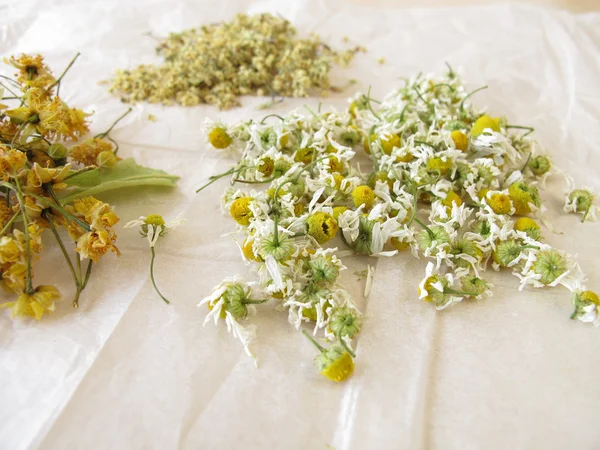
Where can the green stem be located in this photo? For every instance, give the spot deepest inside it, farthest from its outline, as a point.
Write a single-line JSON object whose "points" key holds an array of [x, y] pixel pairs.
{"points": [[82, 286], [526, 163], [462, 103], [78, 172], [451, 72], [250, 301], [414, 205], [63, 249], [425, 227], [521, 127], [369, 103], [61, 210], [461, 293], [152, 277], [8, 225], [348, 349], [57, 82], [102, 135], [373, 157], [315, 343], [217, 177], [587, 211], [271, 115], [29, 286], [420, 96]]}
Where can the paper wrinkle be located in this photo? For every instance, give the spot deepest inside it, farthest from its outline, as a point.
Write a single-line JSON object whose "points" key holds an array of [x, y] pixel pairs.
{"points": [[144, 375]]}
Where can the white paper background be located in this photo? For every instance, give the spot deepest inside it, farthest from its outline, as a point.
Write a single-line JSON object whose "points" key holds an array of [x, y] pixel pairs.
{"points": [[125, 371]]}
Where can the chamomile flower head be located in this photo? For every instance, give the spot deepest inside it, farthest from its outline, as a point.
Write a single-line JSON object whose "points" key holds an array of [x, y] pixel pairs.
{"points": [[523, 196], [508, 253], [335, 363], [550, 264], [324, 268], [529, 227], [345, 322], [431, 239], [240, 210], [218, 138], [540, 165], [474, 286], [280, 247], [321, 226], [485, 123], [581, 201], [363, 195]]}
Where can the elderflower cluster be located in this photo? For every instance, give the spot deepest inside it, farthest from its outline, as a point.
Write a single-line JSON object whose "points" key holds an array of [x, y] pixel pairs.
{"points": [[446, 181]]}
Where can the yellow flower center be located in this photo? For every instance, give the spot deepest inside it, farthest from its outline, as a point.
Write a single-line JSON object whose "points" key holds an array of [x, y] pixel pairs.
{"points": [[483, 123], [219, 138], [155, 219], [363, 195]]}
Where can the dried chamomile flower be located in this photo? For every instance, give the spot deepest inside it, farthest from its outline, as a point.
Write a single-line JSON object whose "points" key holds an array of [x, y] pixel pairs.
{"points": [[336, 362], [581, 201], [444, 180], [322, 226], [154, 227]]}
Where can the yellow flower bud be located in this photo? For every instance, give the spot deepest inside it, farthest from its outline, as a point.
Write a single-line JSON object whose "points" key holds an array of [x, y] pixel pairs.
{"points": [[248, 251], [363, 195], [322, 226], [483, 123], [335, 363], [500, 203], [528, 226], [219, 138], [522, 195], [439, 165], [389, 143], [304, 155], [452, 198], [34, 305], [460, 139], [337, 210], [240, 210], [155, 219]]}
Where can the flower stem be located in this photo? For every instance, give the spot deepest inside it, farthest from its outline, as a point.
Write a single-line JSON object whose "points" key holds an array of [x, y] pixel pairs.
{"points": [[521, 127], [369, 103], [62, 248], [102, 135], [59, 79], [462, 103], [8, 225], [271, 115], [218, 177], [29, 286], [152, 277], [61, 210], [526, 163], [315, 343], [348, 349]]}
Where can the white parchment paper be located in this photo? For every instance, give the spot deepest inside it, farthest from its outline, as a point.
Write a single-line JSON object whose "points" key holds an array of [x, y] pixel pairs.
{"points": [[127, 372]]}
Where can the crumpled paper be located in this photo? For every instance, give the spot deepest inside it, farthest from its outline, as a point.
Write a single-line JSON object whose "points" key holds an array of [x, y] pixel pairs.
{"points": [[126, 371]]}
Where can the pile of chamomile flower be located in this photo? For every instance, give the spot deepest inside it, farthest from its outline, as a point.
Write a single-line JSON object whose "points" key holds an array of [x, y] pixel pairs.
{"points": [[448, 183]]}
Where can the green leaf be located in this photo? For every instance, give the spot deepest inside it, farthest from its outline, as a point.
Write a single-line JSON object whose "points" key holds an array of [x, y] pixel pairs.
{"points": [[126, 173]]}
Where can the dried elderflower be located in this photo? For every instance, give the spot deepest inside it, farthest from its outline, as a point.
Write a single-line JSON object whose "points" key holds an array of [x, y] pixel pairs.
{"points": [[217, 63]]}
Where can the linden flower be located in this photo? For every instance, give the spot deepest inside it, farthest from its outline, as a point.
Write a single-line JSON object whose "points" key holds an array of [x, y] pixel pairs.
{"points": [[321, 226], [32, 70], [581, 201], [11, 162], [39, 176], [219, 138], [35, 305], [87, 152], [94, 244]]}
